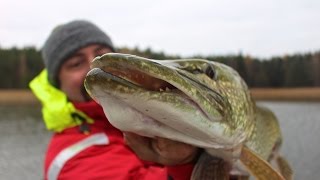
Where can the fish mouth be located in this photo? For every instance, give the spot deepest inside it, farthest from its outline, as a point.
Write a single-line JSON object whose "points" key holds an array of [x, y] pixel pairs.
{"points": [[135, 81], [140, 79]]}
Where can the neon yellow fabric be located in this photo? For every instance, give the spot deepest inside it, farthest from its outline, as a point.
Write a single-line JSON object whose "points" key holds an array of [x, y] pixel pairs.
{"points": [[56, 109]]}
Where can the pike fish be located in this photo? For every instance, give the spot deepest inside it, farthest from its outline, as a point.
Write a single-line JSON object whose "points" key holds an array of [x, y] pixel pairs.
{"points": [[195, 101]]}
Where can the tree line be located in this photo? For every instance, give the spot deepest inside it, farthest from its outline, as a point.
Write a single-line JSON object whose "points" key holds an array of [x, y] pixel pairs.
{"points": [[18, 66]]}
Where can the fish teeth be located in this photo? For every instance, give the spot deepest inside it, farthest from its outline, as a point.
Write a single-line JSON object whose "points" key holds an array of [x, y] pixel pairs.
{"points": [[161, 90], [168, 89]]}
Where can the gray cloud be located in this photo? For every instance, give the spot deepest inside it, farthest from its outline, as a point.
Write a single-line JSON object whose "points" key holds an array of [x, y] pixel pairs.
{"points": [[259, 28]]}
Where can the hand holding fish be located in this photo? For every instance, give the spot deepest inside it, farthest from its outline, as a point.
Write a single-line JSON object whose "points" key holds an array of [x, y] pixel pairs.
{"points": [[161, 150]]}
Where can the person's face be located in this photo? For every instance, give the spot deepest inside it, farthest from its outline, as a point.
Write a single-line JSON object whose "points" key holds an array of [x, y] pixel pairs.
{"points": [[74, 70]]}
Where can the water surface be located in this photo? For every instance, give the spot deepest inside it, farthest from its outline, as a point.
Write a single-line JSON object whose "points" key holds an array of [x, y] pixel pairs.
{"points": [[23, 139], [300, 125]]}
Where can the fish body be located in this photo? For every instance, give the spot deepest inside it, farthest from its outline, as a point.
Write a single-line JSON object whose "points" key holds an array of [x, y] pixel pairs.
{"points": [[199, 102]]}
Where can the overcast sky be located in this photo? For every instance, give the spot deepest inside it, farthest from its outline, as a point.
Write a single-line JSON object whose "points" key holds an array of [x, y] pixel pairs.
{"points": [[260, 28]]}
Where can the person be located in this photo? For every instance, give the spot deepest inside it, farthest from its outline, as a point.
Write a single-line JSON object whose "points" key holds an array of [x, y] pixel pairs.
{"points": [[84, 145]]}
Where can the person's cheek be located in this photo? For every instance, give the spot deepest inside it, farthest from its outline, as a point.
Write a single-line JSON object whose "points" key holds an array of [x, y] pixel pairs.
{"points": [[79, 79]]}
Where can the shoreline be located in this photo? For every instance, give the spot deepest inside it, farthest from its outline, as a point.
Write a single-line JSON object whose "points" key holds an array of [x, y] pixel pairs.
{"points": [[286, 94], [25, 97]]}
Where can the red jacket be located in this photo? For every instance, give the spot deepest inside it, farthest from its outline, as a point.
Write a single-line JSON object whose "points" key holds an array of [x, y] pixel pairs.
{"points": [[113, 160]]}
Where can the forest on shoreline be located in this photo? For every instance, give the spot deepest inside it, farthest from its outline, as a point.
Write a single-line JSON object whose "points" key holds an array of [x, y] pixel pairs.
{"points": [[20, 65]]}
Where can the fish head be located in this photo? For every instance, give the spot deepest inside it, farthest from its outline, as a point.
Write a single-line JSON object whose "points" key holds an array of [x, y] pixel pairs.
{"points": [[196, 101]]}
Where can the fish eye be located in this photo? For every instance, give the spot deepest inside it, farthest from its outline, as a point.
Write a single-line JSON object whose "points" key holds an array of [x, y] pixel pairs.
{"points": [[210, 72]]}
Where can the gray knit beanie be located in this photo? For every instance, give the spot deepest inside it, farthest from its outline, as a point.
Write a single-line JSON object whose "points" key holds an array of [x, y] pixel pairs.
{"points": [[66, 39]]}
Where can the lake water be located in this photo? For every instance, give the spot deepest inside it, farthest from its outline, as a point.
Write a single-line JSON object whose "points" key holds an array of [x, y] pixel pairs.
{"points": [[23, 139]]}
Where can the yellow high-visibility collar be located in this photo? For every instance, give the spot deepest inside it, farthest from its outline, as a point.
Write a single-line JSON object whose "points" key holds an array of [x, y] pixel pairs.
{"points": [[56, 109]]}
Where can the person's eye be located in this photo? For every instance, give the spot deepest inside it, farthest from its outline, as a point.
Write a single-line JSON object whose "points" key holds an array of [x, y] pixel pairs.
{"points": [[75, 63], [102, 51]]}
